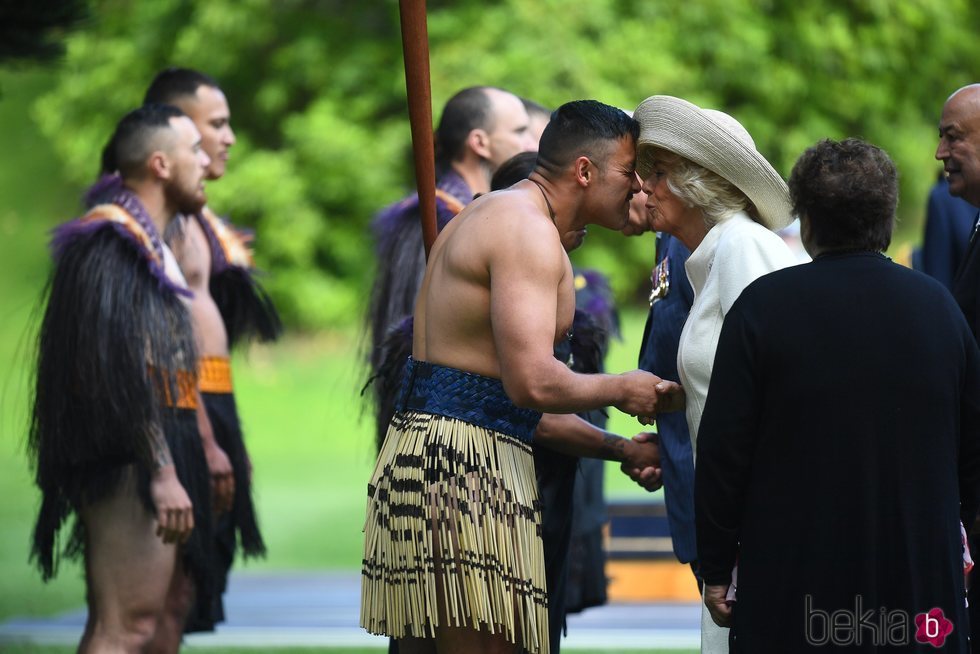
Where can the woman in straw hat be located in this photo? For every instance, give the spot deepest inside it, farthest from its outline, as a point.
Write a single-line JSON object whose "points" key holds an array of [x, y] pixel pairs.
{"points": [[710, 188]]}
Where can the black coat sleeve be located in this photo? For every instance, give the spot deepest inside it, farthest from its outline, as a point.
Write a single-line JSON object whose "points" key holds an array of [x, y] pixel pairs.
{"points": [[726, 441]]}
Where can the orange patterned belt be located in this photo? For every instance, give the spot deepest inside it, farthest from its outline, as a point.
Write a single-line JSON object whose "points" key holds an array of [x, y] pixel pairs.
{"points": [[186, 390], [214, 375]]}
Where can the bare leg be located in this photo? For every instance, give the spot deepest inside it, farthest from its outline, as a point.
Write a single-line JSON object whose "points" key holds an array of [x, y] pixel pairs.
{"points": [[128, 569], [416, 646], [451, 639], [92, 618], [464, 639], [170, 629]]}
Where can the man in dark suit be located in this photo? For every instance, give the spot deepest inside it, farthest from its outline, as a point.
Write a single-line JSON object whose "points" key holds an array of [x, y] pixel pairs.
{"points": [[959, 150], [949, 224]]}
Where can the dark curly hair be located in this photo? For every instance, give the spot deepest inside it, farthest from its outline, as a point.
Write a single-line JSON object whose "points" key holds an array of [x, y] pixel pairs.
{"points": [[846, 191]]}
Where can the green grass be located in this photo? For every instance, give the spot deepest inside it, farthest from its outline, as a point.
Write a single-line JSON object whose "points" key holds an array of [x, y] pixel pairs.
{"points": [[312, 452]]}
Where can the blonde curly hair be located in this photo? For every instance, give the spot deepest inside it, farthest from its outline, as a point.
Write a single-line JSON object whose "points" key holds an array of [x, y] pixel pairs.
{"points": [[714, 196]]}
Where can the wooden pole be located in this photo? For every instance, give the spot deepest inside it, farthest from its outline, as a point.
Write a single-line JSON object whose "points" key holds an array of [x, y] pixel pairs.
{"points": [[415, 45]]}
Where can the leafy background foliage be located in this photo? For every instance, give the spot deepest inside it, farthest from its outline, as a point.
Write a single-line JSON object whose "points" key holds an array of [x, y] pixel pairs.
{"points": [[317, 95]]}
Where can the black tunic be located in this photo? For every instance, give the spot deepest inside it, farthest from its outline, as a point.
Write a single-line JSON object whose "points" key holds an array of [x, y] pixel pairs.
{"points": [[839, 436]]}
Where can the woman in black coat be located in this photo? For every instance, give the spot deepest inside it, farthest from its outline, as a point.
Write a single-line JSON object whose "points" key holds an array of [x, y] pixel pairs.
{"points": [[840, 444]]}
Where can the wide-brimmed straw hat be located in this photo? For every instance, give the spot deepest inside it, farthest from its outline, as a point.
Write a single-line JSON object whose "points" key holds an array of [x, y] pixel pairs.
{"points": [[718, 142]]}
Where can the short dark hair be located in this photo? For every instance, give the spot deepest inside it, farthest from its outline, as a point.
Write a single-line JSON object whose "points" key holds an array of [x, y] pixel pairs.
{"points": [[469, 109], [133, 140], [847, 191], [173, 84], [518, 167], [582, 127]]}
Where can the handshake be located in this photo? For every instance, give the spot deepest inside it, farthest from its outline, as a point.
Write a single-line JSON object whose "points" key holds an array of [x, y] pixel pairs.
{"points": [[646, 396], [641, 395], [641, 461]]}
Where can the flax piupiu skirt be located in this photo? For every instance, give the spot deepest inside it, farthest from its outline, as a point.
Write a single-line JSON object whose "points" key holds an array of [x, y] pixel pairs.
{"points": [[452, 535]]}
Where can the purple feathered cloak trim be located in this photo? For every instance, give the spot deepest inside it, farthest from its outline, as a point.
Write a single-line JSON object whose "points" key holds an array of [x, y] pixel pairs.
{"points": [[126, 215], [230, 245], [452, 194], [103, 190]]}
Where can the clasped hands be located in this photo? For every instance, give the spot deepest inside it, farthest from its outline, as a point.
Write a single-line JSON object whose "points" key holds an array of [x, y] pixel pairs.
{"points": [[645, 395], [654, 395], [642, 462]]}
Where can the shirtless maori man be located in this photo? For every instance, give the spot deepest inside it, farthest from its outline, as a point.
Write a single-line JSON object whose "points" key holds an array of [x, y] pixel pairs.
{"points": [[453, 558], [228, 308]]}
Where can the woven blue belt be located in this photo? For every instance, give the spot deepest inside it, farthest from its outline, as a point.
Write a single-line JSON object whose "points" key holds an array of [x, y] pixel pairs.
{"points": [[472, 398]]}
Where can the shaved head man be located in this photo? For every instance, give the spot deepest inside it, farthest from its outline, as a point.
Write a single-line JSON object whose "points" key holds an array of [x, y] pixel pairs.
{"points": [[113, 435], [199, 96], [959, 143]]}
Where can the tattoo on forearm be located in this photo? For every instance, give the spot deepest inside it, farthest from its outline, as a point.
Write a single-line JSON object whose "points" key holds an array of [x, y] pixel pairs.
{"points": [[613, 448], [160, 449]]}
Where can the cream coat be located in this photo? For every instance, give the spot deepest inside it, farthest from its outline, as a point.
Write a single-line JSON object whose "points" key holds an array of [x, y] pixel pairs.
{"points": [[733, 254]]}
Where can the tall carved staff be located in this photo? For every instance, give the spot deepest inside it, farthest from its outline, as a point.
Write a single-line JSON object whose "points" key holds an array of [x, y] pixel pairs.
{"points": [[415, 45]]}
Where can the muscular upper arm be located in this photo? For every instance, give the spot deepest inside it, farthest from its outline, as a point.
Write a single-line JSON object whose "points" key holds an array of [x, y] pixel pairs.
{"points": [[525, 274]]}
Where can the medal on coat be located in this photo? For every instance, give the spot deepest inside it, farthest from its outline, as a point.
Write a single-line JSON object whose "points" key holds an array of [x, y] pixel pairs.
{"points": [[660, 281]]}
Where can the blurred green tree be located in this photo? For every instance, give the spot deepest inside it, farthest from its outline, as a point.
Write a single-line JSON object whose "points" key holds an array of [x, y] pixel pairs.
{"points": [[317, 95]]}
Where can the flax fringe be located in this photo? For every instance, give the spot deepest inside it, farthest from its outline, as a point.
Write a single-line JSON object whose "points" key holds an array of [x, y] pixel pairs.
{"points": [[453, 517]]}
